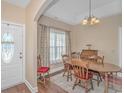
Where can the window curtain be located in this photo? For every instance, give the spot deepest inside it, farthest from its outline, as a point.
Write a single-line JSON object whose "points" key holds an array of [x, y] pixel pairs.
{"points": [[45, 45], [45, 41], [68, 43]]}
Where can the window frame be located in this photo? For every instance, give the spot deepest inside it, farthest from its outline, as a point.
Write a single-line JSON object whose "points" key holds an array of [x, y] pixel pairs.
{"points": [[61, 46]]}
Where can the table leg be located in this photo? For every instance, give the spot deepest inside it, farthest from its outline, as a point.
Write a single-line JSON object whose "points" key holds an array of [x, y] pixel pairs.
{"points": [[106, 83]]}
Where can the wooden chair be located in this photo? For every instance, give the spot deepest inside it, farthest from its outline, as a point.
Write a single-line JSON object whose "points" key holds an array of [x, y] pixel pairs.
{"points": [[85, 54], [115, 81], [67, 67], [42, 71], [92, 55], [75, 55], [82, 74], [98, 60]]}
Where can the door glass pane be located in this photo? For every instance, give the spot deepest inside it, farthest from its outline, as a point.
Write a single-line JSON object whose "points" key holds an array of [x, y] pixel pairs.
{"points": [[7, 47]]}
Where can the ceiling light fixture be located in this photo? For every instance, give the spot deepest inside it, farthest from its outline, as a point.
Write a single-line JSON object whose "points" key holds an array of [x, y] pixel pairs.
{"points": [[90, 20]]}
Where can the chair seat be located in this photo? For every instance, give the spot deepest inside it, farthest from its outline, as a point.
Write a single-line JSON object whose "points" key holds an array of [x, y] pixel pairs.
{"points": [[90, 75], [43, 69]]}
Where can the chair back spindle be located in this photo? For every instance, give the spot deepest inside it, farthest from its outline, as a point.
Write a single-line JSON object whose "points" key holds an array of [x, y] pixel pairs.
{"points": [[39, 61], [80, 68], [65, 58], [100, 59], [75, 55]]}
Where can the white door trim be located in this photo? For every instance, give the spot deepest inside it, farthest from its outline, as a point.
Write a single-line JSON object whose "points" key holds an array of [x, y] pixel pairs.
{"points": [[120, 46], [32, 89], [24, 45]]}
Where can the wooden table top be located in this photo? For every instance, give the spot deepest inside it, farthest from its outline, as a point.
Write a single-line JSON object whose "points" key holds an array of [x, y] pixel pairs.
{"points": [[106, 67]]}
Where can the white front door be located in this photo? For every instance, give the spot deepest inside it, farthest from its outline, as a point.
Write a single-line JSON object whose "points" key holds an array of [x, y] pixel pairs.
{"points": [[12, 55]]}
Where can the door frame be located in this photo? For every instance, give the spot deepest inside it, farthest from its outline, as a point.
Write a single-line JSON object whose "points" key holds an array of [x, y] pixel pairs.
{"points": [[120, 46], [24, 46]]}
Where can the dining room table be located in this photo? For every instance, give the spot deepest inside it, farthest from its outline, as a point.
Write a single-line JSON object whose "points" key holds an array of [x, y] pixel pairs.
{"points": [[105, 68]]}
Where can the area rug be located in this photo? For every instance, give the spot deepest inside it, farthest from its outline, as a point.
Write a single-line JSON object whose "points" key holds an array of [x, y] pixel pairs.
{"points": [[67, 85]]}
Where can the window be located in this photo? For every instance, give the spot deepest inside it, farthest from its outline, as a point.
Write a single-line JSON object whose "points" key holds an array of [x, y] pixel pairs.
{"points": [[7, 47], [57, 46]]}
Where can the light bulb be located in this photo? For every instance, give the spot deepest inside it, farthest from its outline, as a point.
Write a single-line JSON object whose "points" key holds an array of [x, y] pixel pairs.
{"points": [[93, 19], [97, 21], [84, 22]]}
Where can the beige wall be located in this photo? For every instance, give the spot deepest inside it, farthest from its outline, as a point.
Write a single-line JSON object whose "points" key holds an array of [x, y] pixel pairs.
{"points": [[103, 37], [54, 23], [12, 13], [31, 40], [27, 16]]}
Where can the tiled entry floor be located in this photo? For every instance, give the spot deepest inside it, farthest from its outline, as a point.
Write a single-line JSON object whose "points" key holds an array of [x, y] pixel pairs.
{"points": [[67, 85]]}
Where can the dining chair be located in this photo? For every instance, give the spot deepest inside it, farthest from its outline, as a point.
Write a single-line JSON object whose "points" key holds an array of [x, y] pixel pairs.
{"points": [[85, 54], [43, 71], [92, 55], [82, 74], [114, 81], [75, 55], [67, 67], [98, 60]]}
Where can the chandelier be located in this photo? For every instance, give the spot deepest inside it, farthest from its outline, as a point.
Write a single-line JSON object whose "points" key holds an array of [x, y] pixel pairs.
{"points": [[90, 20]]}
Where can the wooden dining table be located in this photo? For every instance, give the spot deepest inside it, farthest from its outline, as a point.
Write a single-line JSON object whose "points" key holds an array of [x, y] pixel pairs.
{"points": [[105, 68]]}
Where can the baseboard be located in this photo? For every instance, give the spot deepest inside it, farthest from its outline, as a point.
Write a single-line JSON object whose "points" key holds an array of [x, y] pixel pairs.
{"points": [[57, 72], [32, 89], [3, 88]]}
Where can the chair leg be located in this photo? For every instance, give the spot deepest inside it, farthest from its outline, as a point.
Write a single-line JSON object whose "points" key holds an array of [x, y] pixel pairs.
{"points": [[86, 87], [64, 73], [39, 76], [48, 75], [91, 82], [97, 80], [68, 75], [75, 83], [44, 79], [100, 77]]}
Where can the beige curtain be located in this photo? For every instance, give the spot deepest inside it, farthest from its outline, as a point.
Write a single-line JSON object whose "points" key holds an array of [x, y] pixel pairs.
{"points": [[68, 42], [45, 45]]}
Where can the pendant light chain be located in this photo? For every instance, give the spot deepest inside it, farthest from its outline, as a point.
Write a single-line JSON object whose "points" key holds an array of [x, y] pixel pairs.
{"points": [[89, 8], [91, 19]]}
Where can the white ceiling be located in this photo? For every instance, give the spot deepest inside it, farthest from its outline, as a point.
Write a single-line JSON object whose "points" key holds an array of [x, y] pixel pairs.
{"points": [[72, 11], [20, 3]]}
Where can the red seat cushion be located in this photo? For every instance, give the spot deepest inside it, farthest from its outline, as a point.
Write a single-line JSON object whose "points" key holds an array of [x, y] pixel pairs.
{"points": [[43, 69]]}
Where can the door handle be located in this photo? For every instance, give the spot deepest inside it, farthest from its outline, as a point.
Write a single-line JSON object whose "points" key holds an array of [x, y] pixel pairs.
{"points": [[20, 53], [21, 57]]}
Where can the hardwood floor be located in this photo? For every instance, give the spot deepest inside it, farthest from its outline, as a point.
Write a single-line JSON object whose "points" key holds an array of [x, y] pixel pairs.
{"points": [[49, 88], [21, 88]]}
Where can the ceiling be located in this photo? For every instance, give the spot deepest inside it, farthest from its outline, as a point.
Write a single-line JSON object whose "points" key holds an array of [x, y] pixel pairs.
{"points": [[20, 3], [72, 11]]}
